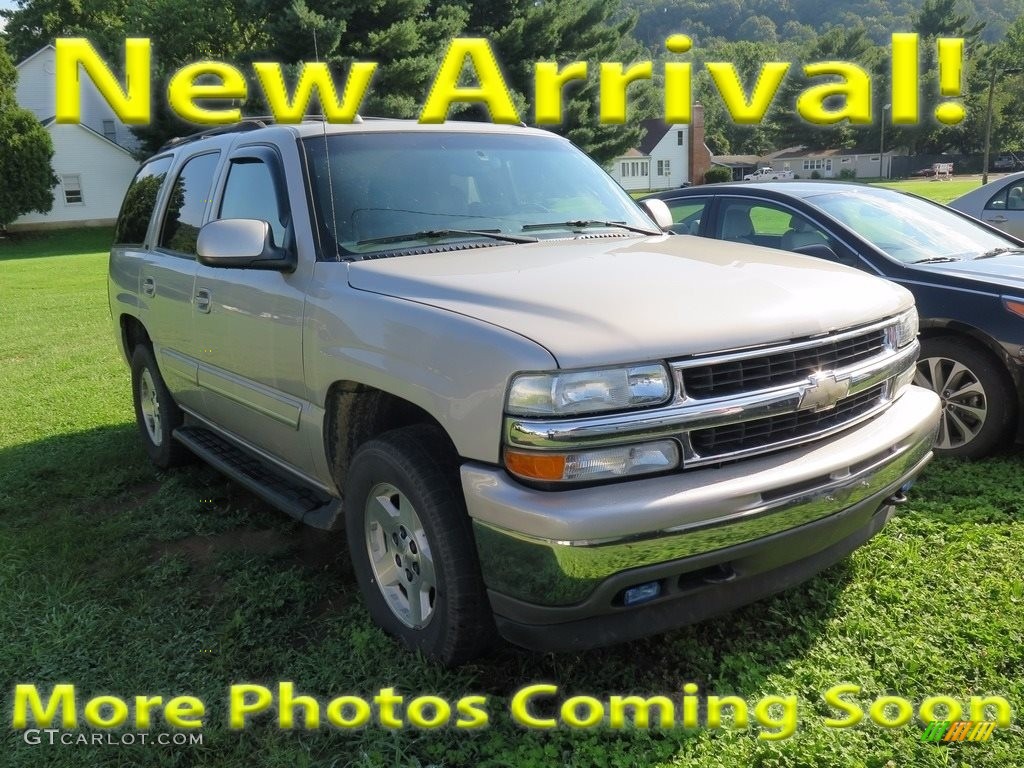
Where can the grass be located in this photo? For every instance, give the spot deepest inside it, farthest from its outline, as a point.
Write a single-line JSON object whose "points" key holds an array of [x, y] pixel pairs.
{"points": [[939, 191], [126, 581]]}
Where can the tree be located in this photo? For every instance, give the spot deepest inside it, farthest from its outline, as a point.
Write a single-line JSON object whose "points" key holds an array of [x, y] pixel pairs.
{"points": [[838, 44], [25, 153]]}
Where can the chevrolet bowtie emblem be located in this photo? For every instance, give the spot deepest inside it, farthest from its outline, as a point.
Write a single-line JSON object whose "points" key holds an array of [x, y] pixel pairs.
{"points": [[823, 392]]}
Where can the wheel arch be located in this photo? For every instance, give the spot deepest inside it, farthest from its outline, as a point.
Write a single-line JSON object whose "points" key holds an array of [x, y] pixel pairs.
{"points": [[133, 332], [356, 413]]}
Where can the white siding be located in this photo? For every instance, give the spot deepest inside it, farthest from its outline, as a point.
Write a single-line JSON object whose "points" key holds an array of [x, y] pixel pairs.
{"points": [[637, 176], [37, 92], [675, 154], [669, 150], [104, 171]]}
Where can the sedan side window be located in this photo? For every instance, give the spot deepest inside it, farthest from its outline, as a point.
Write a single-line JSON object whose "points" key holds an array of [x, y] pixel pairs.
{"points": [[1009, 198], [687, 214], [250, 193], [773, 226]]}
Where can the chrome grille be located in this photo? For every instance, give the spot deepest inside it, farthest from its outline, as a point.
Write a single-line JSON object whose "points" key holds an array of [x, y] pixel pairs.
{"points": [[763, 433], [737, 376]]}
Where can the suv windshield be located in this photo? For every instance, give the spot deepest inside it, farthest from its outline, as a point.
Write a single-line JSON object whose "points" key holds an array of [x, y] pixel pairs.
{"points": [[387, 191], [909, 229]]}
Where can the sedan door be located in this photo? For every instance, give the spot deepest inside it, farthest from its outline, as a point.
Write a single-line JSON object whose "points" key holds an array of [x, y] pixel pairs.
{"points": [[1005, 209]]}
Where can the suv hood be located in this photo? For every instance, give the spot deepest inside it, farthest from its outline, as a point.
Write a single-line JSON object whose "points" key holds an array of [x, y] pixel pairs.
{"points": [[593, 301]]}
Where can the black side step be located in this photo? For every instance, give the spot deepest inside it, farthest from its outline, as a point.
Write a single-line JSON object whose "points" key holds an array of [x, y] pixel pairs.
{"points": [[272, 484]]}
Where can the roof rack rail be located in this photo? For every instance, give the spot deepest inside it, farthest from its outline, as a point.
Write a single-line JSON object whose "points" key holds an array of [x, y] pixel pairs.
{"points": [[247, 123]]}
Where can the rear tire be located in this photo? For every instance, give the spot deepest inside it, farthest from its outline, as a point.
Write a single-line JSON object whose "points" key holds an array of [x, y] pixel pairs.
{"points": [[979, 402], [412, 545], [156, 413]]}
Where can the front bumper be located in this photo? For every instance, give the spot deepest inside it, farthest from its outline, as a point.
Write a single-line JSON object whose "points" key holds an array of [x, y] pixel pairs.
{"points": [[556, 562]]}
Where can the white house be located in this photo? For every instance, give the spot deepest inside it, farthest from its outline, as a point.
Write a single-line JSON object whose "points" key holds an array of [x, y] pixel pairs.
{"points": [[93, 159], [668, 156]]}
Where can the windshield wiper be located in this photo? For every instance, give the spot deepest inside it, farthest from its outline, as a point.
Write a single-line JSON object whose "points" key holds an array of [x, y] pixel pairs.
{"points": [[937, 260], [584, 223], [997, 252], [433, 234]]}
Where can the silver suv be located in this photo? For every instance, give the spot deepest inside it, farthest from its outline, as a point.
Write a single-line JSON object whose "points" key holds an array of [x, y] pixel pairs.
{"points": [[531, 409]]}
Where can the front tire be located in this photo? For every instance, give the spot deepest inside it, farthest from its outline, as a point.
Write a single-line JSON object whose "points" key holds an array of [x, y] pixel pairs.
{"points": [[412, 546], [978, 399], [156, 413]]}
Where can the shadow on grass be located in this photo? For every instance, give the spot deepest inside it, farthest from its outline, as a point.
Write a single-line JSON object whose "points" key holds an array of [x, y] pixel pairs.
{"points": [[57, 242], [193, 584]]}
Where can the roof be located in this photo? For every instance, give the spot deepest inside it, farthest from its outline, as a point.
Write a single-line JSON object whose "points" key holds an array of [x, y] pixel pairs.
{"points": [[796, 152], [654, 131], [735, 160], [51, 121], [31, 56], [315, 126]]}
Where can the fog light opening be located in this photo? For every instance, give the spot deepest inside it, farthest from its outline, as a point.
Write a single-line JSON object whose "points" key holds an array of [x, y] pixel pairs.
{"points": [[642, 593]]}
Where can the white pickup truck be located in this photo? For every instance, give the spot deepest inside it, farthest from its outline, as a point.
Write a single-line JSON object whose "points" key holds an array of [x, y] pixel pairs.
{"points": [[768, 174], [532, 410]]}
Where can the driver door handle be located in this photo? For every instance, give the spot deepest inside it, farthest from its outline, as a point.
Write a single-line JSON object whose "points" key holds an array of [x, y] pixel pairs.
{"points": [[203, 300], [997, 219]]}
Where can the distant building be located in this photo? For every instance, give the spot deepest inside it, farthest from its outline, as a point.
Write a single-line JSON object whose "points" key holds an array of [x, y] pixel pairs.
{"points": [[738, 165], [829, 163], [94, 159], [668, 156]]}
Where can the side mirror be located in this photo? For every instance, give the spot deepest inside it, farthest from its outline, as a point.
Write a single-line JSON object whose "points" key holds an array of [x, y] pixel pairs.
{"points": [[241, 243], [658, 211], [818, 251]]}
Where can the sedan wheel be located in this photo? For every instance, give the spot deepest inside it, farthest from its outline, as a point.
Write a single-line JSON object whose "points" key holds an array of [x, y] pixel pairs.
{"points": [[978, 399], [964, 404]]}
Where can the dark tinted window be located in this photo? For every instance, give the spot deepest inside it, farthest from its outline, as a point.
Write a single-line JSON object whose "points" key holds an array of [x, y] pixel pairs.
{"points": [[250, 194], [185, 209], [139, 202]]}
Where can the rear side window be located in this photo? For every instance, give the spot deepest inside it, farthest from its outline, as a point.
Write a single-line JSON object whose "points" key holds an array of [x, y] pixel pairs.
{"points": [[187, 204], [139, 202]]}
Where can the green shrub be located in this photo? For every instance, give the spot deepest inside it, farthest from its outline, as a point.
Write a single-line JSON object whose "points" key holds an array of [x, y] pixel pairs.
{"points": [[848, 174], [716, 174], [815, 174]]}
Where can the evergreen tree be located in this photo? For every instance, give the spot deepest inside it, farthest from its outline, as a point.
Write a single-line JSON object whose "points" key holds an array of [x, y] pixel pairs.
{"points": [[25, 153]]}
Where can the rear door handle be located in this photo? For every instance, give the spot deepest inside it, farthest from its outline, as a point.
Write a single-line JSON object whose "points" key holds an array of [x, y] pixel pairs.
{"points": [[203, 300], [149, 286], [998, 219]]}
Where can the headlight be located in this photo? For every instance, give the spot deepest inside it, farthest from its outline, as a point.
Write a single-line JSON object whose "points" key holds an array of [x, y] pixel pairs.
{"points": [[567, 393], [906, 328]]}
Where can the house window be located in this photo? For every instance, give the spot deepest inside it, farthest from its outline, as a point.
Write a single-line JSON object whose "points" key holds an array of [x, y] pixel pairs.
{"points": [[108, 129], [625, 170], [72, 184], [666, 167], [679, 138], [661, 167]]}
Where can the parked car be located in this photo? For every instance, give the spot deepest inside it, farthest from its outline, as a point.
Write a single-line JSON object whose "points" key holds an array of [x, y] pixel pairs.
{"points": [[768, 174], [999, 203], [1007, 162], [528, 407], [967, 279]]}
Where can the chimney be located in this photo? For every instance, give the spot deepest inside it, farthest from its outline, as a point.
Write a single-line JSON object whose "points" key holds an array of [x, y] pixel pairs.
{"points": [[698, 155]]}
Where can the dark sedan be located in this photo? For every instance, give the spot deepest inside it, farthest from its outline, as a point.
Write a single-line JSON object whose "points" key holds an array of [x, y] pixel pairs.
{"points": [[967, 278]]}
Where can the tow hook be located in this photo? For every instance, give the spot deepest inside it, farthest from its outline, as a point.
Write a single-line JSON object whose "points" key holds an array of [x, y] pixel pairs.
{"points": [[897, 498]]}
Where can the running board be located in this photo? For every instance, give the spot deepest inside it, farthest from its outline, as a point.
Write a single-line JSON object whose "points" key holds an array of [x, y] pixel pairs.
{"points": [[272, 484]]}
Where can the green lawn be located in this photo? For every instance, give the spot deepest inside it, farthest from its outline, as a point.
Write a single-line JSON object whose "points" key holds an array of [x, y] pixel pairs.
{"points": [[123, 580], [939, 191]]}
